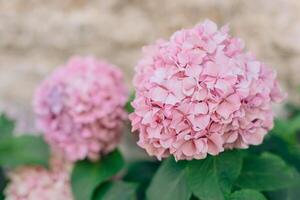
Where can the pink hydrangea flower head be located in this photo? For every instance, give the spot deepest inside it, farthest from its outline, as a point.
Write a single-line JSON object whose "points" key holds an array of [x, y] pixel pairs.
{"points": [[199, 93], [36, 183], [80, 108]]}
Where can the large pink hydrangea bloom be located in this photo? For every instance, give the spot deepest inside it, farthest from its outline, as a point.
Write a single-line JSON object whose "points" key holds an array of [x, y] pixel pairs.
{"points": [[80, 108], [39, 183], [199, 93]]}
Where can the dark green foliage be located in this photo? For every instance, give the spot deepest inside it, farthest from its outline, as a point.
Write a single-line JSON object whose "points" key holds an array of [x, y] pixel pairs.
{"points": [[213, 177], [23, 150], [128, 106], [141, 172], [6, 126], [87, 175], [117, 190], [266, 172], [247, 195], [169, 182], [3, 182]]}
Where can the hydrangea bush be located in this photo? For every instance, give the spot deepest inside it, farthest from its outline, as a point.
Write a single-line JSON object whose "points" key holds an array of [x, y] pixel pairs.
{"points": [[200, 93], [79, 108], [202, 106], [36, 182]]}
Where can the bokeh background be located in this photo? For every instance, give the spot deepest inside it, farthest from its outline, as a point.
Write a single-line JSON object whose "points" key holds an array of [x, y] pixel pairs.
{"points": [[36, 36]]}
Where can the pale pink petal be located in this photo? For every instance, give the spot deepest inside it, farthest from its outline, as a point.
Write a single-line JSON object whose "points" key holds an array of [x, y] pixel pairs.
{"points": [[199, 122], [200, 108], [159, 94], [193, 71], [210, 26], [188, 85], [154, 132], [215, 144], [188, 148]]}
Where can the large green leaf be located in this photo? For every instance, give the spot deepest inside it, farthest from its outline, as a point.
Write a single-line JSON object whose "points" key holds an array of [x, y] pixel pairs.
{"points": [[266, 172], [169, 182], [212, 178], [247, 195], [23, 150], [276, 145], [6, 126], [87, 175], [118, 190], [141, 172]]}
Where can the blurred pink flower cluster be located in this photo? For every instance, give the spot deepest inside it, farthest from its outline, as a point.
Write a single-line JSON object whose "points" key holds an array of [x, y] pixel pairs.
{"points": [[80, 108], [200, 93], [38, 183]]}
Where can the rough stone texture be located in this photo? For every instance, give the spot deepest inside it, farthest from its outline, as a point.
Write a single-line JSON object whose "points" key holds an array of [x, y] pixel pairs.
{"points": [[36, 36]]}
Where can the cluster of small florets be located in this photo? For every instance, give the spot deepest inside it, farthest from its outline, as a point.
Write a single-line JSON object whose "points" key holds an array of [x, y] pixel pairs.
{"points": [[80, 108], [39, 183], [199, 93]]}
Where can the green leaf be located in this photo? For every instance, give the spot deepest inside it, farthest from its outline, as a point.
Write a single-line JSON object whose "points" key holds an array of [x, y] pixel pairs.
{"points": [[6, 126], [277, 195], [141, 172], [294, 156], [287, 130], [295, 124], [3, 182], [290, 193], [128, 106], [247, 195], [213, 177], [276, 145], [116, 191], [24, 150], [293, 193], [169, 182], [87, 175], [266, 172], [281, 127], [292, 109]]}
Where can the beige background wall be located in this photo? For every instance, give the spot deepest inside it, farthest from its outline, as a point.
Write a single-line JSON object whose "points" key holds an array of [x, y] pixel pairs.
{"points": [[38, 35]]}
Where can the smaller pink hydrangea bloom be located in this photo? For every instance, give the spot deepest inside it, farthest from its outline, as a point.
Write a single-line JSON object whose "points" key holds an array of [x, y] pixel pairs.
{"points": [[199, 93], [80, 108], [38, 183]]}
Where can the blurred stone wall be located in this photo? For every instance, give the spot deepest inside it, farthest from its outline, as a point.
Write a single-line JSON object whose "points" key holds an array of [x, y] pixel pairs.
{"points": [[38, 35]]}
